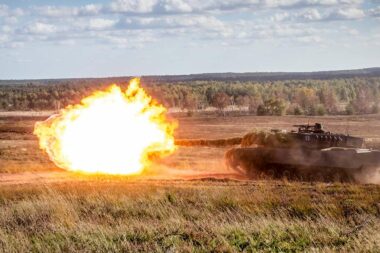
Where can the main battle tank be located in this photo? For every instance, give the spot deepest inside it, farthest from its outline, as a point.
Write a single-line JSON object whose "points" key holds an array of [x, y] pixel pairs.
{"points": [[309, 153]]}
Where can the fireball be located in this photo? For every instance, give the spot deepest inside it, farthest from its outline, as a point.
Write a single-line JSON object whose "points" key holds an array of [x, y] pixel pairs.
{"points": [[111, 131]]}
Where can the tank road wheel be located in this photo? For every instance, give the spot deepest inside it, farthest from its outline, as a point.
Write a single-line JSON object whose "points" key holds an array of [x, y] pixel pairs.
{"points": [[338, 177], [299, 174], [286, 175], [243, 162], [319, 177], [267, 174], [271, 174], [262, 175], [329, 175], [233, 161], [229, 158]]}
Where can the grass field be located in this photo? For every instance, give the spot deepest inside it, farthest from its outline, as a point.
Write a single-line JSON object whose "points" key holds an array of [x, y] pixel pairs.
{"points": [[189, 201]]}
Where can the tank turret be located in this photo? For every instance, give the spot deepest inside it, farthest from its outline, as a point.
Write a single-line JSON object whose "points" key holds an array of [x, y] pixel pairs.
{"points": [[313, 136]]}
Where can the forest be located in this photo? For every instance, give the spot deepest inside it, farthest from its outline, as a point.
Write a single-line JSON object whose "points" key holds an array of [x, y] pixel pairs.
{"points": [[352, 95]]}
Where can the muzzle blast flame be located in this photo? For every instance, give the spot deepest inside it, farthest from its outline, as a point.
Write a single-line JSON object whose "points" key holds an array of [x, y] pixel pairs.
{"points": [[111, 131]]}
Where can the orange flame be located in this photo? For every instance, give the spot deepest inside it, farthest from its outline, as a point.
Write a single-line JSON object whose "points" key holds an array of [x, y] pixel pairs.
{"points": [[111, 132]]}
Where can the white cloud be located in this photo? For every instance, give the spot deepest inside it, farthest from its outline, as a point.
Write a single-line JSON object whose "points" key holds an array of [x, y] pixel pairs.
{"points": [[133, 6], [315, 15], [53, 11], [58, 12], [279, 3], [100, 23], [190, 6], [129, 39], [177, 6], [289, 31], [3, 10], [10, 15], [10, 20], [311, 15], [91, 9], [349, 30], [17, 12], [170, 22], [375, 12], [6, 29], [196, 19], [349, 13], [279, 17], [309, 39], [41, 28], [4, 38]]}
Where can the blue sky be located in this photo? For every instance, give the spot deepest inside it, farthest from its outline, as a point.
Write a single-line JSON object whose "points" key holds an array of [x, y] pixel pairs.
{"points": [[94, 38]]}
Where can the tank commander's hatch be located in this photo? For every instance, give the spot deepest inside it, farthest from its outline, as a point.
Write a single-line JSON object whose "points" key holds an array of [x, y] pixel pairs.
{"points": [[316, 128]]}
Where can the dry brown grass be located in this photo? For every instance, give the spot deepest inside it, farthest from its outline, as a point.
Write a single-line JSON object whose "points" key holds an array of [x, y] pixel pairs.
{"points": [[121, 215]]}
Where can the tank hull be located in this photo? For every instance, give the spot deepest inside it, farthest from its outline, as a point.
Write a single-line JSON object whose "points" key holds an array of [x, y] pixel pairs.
{"points": [[328, 164]]}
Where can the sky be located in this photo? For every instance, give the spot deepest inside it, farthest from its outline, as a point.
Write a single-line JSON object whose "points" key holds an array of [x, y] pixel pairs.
{"points": [[98, 38]]}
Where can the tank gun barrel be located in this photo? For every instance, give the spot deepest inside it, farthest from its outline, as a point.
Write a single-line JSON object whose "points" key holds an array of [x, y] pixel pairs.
{"points": [[302, 125]]}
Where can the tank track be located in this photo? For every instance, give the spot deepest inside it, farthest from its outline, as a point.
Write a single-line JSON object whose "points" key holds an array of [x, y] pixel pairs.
{"points": [[254, 166]]}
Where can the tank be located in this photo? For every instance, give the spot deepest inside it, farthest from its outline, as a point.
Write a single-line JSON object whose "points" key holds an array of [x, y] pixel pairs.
{"points": [[308, 153]]}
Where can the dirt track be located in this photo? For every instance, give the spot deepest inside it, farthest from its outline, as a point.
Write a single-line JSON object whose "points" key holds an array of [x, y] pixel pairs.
{"points": [[42, 178], [34, 178]]}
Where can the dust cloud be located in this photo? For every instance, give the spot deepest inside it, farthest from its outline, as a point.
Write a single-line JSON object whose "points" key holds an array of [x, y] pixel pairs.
{"points": [[368, 175]]}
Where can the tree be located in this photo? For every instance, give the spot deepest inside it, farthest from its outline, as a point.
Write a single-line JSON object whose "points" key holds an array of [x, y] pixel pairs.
{"points": [[190, 103], [361, 103], [350, 109], [221, 100], [294, 109], [242, 101], [321, 110], [375, 108], [272, 107], [307, 99], [298, 111], [254, 103], [210, 93], [329, 99]]}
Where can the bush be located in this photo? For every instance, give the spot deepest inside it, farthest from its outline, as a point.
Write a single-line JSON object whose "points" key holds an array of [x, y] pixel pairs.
{"points": [[375, 108], [350, 109], [298, 111], [321, 110], [311, 110], [272, 107], [190, 113]]}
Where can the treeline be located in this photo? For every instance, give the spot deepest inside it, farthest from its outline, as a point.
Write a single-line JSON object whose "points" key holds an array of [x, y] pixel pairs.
{"points": [[300, 97]]}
